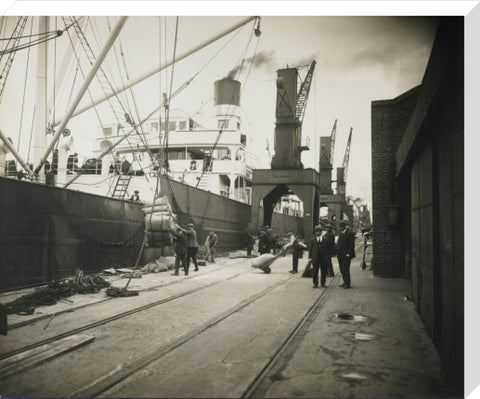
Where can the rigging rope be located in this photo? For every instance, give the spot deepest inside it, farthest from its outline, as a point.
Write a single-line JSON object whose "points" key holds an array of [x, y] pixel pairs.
{"points": [[44, 37], [157, 186], [44, 33], [24, 91], [89, 92], [239, 62]]}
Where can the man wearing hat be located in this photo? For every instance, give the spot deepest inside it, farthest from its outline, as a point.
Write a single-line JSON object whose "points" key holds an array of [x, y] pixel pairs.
{"points": [[345, 252], [135, 197], [331, 238], [318, 253], [192, 245]]}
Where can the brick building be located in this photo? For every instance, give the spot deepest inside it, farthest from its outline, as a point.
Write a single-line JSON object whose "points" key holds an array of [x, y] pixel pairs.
{"points": [[418, 193]]}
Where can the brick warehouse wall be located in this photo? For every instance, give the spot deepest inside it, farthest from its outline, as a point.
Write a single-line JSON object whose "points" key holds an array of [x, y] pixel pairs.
{"points": [[428, 187], [389, 121]]}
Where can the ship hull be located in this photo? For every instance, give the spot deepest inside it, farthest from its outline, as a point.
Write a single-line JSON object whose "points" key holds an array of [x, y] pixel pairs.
{"points": [[47, 233], [226, 217]]}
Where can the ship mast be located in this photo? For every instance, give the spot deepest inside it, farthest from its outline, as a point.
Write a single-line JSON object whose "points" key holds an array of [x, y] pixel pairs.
{"points": [[40, 121], [103, 53]]}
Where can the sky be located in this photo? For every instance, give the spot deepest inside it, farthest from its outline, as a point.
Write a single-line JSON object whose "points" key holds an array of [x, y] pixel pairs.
{"points": [[358, 60]]}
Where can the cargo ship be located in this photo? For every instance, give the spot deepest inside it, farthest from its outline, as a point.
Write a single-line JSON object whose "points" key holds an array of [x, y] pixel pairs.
{"points": [[62, 216]]}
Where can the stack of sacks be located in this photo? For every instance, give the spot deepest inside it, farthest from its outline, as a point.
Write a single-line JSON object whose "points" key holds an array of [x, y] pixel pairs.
{"points": [[158, 219]]}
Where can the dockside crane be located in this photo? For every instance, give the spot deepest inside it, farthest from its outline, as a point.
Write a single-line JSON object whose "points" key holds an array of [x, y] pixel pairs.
{"points": [[346, 156], [303, 93], [292, 98], [332, 141], [343, 170]]}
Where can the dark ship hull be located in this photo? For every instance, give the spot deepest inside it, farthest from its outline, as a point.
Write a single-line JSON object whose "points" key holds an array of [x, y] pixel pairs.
{"points": [[226, 217], [47, 233]]}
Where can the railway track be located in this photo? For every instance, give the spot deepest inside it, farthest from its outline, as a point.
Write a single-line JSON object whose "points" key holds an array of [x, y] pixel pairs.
{"points": [[47, 315], [109, 319], [122, 372], [125, 370]]}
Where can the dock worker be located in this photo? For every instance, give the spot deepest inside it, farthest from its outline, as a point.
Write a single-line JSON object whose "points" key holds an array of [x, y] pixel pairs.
{"points": [[249, 239], [262, 242], [345, 252], [135, 197], [180, 247], [211, 244], [192, 245], [297, 251]]}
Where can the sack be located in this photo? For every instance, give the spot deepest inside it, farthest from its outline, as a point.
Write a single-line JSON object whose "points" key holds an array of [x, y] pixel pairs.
{"points": [[308, 270], [263, 260]]}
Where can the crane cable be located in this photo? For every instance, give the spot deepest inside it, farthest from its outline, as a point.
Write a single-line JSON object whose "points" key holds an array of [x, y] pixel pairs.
{"points": [[157, 186]]}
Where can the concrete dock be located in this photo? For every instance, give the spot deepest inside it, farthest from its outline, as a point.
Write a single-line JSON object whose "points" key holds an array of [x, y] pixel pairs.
{"points": [[364, 342]]}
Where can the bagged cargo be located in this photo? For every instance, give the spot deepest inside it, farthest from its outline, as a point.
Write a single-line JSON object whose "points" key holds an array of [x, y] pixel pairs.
{"points": [[264, 261], [156, 208], [150, 254], [159, 239], [161, 203], [154, 267], [158, 221], [168, 261]]}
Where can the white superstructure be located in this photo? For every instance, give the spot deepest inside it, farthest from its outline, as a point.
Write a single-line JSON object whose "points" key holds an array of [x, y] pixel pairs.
{"points": [[204, 152]]}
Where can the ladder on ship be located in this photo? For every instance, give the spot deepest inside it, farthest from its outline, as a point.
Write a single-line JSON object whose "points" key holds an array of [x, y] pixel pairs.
{"points": [[203, 182], [121, 186]]}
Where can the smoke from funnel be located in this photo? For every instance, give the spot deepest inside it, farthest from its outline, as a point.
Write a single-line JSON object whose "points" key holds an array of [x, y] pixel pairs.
{"points": [[263, 58]]}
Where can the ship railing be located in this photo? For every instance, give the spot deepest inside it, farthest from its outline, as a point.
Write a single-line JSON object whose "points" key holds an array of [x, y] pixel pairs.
{"points": [[216, 166]]}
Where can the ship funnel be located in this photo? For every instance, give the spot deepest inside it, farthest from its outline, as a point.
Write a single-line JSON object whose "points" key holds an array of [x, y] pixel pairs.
{"points": [[227, 92]]}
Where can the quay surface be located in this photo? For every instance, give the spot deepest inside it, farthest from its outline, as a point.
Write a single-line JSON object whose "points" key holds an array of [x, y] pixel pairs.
{"points": [[214, 331]]}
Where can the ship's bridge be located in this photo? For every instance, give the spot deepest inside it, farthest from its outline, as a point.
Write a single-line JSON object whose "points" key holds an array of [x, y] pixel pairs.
{"points": [[205, 153]]}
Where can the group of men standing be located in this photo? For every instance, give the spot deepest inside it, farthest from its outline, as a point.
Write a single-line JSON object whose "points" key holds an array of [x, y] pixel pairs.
{"points": [[185, 244], [268, 241], [321, 249]]}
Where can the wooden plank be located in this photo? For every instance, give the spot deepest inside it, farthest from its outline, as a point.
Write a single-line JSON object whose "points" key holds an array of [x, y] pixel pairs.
{"points": [[36, 356]]}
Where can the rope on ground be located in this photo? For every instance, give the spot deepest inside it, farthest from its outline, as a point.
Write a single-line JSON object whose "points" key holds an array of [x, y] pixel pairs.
{"points": [[56, 290]]}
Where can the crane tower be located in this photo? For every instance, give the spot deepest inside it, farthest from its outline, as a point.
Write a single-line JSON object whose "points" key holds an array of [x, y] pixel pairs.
{"points": [[292, 97]]}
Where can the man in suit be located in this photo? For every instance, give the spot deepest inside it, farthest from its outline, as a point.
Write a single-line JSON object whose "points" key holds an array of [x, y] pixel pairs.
{"points": [[345, 252], [318, 253], [331, 237]]}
